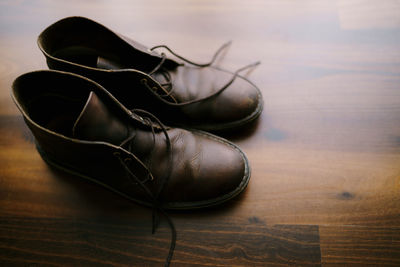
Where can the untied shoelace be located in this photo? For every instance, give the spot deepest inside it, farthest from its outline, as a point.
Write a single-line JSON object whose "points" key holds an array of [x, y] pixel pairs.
{"points": [[149, 119], [168, 88]]}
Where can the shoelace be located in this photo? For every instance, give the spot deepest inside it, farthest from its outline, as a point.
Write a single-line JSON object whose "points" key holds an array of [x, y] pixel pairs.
{"points": [[168, 88], [157, 206]]}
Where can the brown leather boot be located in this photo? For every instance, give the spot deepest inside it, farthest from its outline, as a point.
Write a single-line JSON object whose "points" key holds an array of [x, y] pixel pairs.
{"points": [[180, 93], [81, 128]]}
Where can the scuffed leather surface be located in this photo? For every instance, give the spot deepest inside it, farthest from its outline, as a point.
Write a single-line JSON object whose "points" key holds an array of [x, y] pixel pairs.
{"points": [[203, 166], [239, 103]]}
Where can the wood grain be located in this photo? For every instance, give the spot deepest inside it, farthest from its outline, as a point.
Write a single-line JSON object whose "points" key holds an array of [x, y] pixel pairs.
{"points": [[359, 245], [325, 154], [115, 242]]}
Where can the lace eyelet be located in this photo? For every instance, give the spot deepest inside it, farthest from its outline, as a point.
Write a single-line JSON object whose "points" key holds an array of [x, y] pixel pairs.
{"points": [[117, 154], [143, 81], [127, 160], [154, 88]]}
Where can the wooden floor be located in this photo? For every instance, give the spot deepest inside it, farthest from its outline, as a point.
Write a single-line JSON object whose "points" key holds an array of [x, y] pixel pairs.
{"points": [[325, 154]]}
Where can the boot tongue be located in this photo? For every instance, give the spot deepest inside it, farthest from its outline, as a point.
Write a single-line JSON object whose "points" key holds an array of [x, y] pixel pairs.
{"points": [[97, 123]]}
